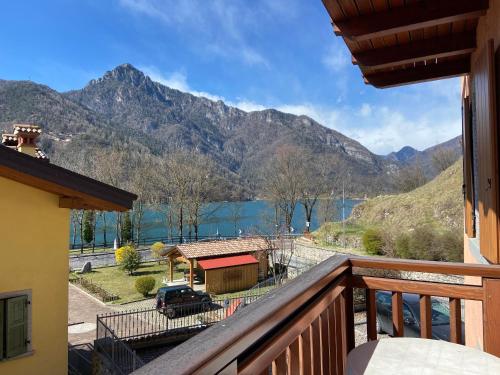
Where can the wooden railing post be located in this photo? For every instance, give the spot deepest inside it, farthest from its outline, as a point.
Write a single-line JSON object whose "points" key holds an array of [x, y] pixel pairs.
{"points": [[348, 305], [425, 317], [371, 315], [491, 316], [397, 314]]}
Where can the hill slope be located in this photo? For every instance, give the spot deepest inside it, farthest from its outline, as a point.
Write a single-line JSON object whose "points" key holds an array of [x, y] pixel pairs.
{"points": [[438, 203]]}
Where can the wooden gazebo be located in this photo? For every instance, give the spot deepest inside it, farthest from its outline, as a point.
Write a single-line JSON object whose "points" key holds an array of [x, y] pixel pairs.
{"points": [[191, 253]]}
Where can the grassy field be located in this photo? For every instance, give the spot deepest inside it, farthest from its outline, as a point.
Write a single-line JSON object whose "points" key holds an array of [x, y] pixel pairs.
{"points": [[118, 282]]}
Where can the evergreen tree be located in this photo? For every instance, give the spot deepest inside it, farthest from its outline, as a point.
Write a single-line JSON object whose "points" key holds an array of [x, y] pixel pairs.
{"points": [[88, 226], [126, 228]]}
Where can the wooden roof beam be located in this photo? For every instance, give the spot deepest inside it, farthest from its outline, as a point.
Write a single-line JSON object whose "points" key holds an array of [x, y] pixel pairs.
{"points": [[423, 73], [417, 15], [421, 50]]}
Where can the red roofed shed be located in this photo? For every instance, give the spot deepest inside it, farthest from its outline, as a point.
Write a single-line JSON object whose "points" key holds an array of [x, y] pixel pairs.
{"points": [[230, 274], [239, 260]]}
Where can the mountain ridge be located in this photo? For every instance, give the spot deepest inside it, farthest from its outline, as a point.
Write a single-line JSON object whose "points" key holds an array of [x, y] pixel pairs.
{"points": [[126, 108]]}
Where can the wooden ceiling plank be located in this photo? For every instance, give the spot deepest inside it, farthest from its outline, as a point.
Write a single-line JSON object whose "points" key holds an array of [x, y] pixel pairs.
{"points": [[452, 45], [414, 16], [423, 73], [334, 10]]}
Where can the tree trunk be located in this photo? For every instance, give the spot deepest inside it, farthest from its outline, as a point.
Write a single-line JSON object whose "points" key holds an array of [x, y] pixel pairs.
{"points": [[74, 229], [118, 228], [81, 234], [181, 223], [104, 229], [93, 232]]}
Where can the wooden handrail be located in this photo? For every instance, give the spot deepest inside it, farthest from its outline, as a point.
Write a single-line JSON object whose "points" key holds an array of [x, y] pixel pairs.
{"points": [[219, 346], [419, 287], [445, 268], [308, 323]]}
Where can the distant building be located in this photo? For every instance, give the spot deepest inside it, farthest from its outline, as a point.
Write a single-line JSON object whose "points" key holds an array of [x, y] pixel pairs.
{"points": [[224, 265], [36, 198]]}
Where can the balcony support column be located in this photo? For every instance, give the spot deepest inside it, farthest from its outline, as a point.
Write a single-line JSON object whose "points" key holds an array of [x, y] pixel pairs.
{"points": [[491, 316]]}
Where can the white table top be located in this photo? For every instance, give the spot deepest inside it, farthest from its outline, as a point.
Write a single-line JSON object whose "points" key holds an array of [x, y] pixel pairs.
{"points": [[420, 357]]}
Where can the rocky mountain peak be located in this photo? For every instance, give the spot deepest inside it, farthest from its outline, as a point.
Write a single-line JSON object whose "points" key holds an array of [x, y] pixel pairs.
{"points": [[124, 73]]}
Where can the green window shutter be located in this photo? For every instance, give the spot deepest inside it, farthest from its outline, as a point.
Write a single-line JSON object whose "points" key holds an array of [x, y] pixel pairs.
{"points": [[2, 323], [17, 326]]}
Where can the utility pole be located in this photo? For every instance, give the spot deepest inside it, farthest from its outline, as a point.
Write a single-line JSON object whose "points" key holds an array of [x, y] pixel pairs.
{"points": [[343, 212]]}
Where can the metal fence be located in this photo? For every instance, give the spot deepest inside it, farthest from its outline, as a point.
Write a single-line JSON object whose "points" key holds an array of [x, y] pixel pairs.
{"points": [[117, 357], [170, 240], [173, 319]]}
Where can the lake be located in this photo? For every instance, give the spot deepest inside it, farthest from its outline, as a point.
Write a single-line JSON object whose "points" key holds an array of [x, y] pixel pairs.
{"points": [[225, 219]]}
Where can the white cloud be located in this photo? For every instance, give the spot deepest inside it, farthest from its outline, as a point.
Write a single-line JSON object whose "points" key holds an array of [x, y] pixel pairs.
{"points": [[178, 81], [217, 27], [336, 59], [366, 110]]}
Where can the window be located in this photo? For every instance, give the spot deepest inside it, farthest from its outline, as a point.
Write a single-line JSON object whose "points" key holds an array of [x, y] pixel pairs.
{"points": [[14, 338]]}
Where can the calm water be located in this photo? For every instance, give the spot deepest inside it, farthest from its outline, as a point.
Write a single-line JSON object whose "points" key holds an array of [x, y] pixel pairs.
{"points": [[224, 218]]}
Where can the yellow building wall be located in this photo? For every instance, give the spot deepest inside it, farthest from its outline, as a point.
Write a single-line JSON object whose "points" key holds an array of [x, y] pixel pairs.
{"points": [[34, 255]]}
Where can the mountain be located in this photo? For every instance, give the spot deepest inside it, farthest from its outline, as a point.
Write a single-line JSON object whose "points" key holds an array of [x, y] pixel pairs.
{"points": [[408, 156], [403, 155], [126, 110]]}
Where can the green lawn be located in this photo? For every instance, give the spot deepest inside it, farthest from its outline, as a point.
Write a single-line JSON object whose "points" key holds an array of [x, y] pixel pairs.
{"points": [[118, 282]]}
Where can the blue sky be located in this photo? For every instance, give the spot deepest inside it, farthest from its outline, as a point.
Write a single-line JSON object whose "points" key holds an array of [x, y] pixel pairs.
{"points": [[252, 54]]}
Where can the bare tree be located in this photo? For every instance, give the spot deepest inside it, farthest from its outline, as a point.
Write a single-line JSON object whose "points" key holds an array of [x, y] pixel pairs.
{"points": [[107, 166], [443, 158], [282, 184], [411, 177], [280, 252], [235, 210], [188, 184], [312, 177]]}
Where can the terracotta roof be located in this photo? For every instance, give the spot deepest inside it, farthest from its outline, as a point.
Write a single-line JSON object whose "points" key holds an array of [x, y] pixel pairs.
{"points": [[26, 128], [238, 260], [222, 247]]}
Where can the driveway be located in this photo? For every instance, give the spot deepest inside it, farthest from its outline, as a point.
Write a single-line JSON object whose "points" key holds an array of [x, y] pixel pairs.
{"points": [[82, 311]]}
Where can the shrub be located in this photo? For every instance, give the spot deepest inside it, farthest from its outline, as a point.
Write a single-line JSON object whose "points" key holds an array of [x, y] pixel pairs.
{"points": [[423, 244], [156, 250], [119, 253], [403, 246], [451, 246], [426, 243], [145, 284], [373, 241], [128, 258]]}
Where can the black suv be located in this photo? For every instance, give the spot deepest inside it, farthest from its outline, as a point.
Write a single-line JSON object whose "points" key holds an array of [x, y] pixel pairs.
{"points": [[181, 300]]}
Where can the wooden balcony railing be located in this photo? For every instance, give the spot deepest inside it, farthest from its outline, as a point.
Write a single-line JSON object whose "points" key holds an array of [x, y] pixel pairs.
{"points": [[307, 326]]}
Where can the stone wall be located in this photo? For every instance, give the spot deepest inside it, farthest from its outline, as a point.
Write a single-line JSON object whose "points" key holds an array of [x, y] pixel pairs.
{"points": [[101, 259]]}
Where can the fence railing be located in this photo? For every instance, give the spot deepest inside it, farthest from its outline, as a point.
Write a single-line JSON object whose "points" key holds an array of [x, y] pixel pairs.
{"points": [[117, 357], [169, 240], [94, 289], [172, 319], [307, 326]]}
